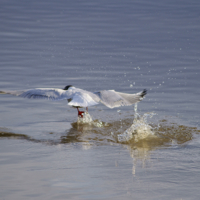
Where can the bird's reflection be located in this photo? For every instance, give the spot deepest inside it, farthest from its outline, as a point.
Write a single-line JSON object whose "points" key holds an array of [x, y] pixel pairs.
{"points": [[102, 133]]}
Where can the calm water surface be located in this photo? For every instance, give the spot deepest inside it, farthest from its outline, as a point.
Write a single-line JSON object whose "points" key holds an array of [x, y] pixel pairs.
{"points": [[129, 46]]}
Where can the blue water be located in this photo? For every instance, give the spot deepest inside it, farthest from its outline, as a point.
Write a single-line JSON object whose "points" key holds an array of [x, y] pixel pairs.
{"points": [[127, 46]]}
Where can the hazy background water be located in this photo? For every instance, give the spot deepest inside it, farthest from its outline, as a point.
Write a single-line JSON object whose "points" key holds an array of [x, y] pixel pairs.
{"points": [[95, 45]]}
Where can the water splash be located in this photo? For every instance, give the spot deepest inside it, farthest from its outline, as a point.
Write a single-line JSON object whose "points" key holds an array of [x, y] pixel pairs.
{"points": [[139, 130], [86, 119]]}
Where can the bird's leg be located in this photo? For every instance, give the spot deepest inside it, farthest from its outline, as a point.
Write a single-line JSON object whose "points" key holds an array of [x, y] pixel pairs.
{"points": [[80, 113], [87, 109]]}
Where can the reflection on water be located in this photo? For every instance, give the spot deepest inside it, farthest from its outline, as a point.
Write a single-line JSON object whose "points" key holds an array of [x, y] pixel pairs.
{"points": [[165, 133], [4, 134]]}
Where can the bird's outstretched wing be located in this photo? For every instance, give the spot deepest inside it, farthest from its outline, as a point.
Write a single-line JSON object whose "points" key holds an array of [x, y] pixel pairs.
{"points": [[42, 93], [111, 98], [82, 98]]}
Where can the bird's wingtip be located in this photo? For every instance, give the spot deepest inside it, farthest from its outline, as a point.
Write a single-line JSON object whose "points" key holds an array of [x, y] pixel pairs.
{"points": [[144, 92]]}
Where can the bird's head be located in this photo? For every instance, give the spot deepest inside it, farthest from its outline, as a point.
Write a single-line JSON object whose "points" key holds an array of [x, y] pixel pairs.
{"points": [[67, 87]]}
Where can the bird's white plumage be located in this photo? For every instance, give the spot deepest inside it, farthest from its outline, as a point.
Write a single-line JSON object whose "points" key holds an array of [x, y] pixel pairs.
{"points": [[82, 98]]}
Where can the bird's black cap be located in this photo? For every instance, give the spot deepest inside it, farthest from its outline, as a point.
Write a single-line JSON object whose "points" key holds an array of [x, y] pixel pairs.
{"points": [[67, 87]]}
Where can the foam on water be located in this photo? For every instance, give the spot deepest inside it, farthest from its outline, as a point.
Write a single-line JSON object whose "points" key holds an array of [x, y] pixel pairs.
{"points": [[140, 129]]}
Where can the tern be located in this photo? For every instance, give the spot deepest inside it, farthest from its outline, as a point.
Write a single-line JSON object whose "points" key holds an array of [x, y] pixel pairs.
{"points": [[79, 98]]}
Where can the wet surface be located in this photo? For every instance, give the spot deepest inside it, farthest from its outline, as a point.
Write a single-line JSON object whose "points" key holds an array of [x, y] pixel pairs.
{"points": [[129, 46]]}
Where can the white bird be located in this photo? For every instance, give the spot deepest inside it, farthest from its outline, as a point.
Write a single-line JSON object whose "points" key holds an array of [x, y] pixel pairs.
{"points": [[79, 98]]}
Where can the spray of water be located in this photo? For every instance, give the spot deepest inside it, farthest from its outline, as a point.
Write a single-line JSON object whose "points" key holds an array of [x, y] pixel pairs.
{"points": [[85, 119], [139, 130]]}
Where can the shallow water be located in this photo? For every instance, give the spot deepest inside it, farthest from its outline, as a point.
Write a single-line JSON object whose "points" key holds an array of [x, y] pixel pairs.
{"points": [[129, 46]]}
